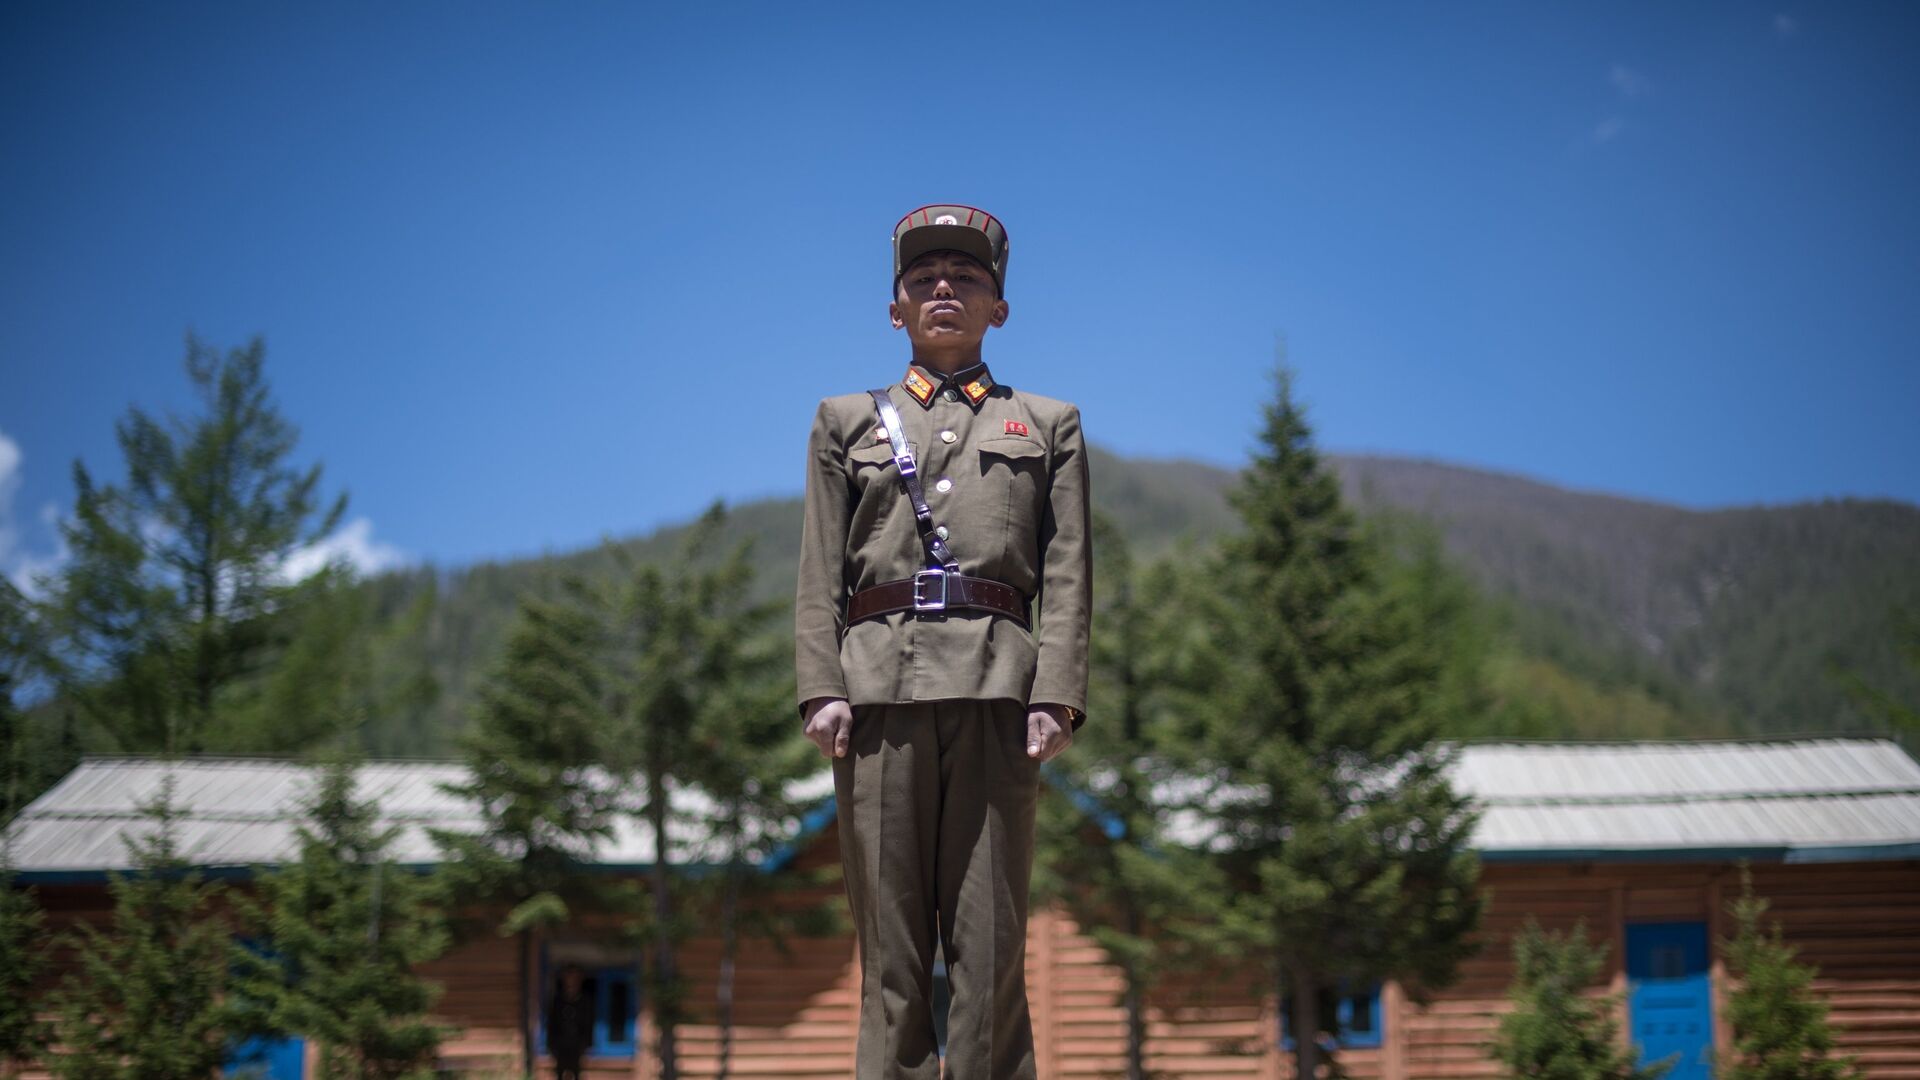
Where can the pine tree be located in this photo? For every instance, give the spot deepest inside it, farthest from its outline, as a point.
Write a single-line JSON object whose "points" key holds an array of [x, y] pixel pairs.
{"points": [[538, 771], [1347, 850], [1556, 1029], [175, 591], [685, 642], [31, 757], [1780, 1029], [1105, 852], [339, 934], [22, 961], [751, 756], [146, 1000]]}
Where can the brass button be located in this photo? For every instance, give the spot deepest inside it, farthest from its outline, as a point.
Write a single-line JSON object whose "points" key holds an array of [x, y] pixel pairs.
{"points": [[951, 394], [940, 531], [945, 485], [948, 436]]}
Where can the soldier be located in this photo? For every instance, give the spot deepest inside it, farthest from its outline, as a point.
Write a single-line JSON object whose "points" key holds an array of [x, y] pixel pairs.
{"points": [[940, 630]]}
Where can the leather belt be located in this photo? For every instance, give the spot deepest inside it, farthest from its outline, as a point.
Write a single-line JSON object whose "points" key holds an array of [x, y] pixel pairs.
{"points": [[938, 590]]}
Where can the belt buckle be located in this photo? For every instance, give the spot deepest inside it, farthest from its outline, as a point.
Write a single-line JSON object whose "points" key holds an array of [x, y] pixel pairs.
{"points": [[920, 600]]}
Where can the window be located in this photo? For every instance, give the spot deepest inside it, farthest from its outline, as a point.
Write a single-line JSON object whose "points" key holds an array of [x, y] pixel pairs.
{"points": [[1356, 1017], [613, 1012], [615, 1007]]}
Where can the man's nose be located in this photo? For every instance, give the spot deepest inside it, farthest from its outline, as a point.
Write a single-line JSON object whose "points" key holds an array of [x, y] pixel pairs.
{"points": [[941, 286]]}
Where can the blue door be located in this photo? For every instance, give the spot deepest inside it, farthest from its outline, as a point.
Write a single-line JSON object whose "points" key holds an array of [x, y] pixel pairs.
{"points": [[268, 1059], [1670, 996]]}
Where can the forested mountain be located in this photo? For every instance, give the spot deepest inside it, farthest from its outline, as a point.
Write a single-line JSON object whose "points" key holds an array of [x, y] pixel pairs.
{"points": [[1616, 617]]}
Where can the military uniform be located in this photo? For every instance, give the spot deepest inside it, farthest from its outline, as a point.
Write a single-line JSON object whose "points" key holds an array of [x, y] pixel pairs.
{"points": [[936, 794]]}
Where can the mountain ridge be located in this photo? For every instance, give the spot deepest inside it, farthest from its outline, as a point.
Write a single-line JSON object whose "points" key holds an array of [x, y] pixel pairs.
{"points": [[1635, 616]]}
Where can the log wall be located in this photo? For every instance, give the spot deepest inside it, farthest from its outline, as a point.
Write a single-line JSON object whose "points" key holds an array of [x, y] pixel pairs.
{"points": [[797, 1011]]}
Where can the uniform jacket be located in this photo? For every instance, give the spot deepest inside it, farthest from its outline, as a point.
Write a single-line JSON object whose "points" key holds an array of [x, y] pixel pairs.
{"points": [[1006, 472]]}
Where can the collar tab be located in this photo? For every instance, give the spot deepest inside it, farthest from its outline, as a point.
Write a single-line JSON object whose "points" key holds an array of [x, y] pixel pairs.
{"points": [[918, 385], [975, 383]]}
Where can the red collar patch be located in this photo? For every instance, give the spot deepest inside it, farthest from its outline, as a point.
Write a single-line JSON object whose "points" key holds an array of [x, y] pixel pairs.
{"points": [[918, 386]]}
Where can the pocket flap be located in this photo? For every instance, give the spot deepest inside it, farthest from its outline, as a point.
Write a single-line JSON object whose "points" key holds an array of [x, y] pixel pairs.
{"points": [[877, 454], [1012, 446]]}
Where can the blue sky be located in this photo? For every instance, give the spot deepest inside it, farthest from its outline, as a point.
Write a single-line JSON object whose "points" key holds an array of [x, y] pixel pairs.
{"points": [[530, 275]]}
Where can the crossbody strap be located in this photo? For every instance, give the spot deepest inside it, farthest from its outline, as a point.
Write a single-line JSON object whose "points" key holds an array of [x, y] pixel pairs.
{"points": [[937, 554]]}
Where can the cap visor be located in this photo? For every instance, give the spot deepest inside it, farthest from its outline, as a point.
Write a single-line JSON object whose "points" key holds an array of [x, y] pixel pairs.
{"points": [[962, 238]]}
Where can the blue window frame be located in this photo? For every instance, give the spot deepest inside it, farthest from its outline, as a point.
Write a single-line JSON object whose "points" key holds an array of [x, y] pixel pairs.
{"points": [[616, 1007], [615, 1012], [1356, 1018]]}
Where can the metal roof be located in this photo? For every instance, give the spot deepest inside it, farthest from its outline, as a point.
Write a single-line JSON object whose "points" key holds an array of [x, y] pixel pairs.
{"points": [[1800, 800], [241, 813], [1797, 800]]}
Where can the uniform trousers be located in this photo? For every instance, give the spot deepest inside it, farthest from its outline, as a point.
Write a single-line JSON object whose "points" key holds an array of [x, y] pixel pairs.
{"points": [[936, 809]]}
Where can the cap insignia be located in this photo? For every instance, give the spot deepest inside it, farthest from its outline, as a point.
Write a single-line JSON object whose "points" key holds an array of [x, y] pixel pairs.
{"points": [[946, 219]]}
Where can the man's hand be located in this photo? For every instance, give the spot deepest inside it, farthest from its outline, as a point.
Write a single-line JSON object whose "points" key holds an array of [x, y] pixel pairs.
{"points": [[1048, 731], [829, 723]]}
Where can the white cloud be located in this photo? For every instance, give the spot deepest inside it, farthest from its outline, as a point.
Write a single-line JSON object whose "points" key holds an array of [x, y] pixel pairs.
{"points": [[10, 458], [17, 564], [353, 544], [1629, 83], [1607, 130], [1785, 25]]}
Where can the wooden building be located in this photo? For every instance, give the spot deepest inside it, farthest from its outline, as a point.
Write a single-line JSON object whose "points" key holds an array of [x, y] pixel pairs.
{"points": [[1641, 841]]}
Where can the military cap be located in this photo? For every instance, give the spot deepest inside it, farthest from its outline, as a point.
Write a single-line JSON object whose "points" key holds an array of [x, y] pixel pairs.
{"points": [[951, 228]]}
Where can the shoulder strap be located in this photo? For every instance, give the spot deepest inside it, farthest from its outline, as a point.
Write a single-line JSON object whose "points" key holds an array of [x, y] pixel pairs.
{"points": [[937, 553]]}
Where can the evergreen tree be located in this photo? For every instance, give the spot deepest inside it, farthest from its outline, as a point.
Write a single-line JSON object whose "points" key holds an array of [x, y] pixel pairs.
{"points": [[1557, 1030], [31, 756], [537, 760], [339, 934], [752, 755], [175, 590], [146, 1000], [348, 669], [685, 640], [1104, 852], [1882, 703], [22, 961], [1346, 849], [1780, 1029]]}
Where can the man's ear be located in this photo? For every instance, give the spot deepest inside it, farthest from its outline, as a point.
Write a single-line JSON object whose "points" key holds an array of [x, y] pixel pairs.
{"points": [[999, 316], [898, 320]]}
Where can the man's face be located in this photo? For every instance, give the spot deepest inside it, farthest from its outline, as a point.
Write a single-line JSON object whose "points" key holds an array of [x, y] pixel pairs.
{"points": [[571, 981], [946, 300]]}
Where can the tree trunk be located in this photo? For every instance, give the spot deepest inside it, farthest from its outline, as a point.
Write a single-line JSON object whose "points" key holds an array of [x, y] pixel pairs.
{"points": [[1306, 1025], [1136, 1009], [526, 1005], [663, 964], [729, 945]]}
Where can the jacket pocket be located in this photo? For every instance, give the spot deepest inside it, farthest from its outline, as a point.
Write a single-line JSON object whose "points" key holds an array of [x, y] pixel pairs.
{"points": [[1013, 470], [877, 491]]}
